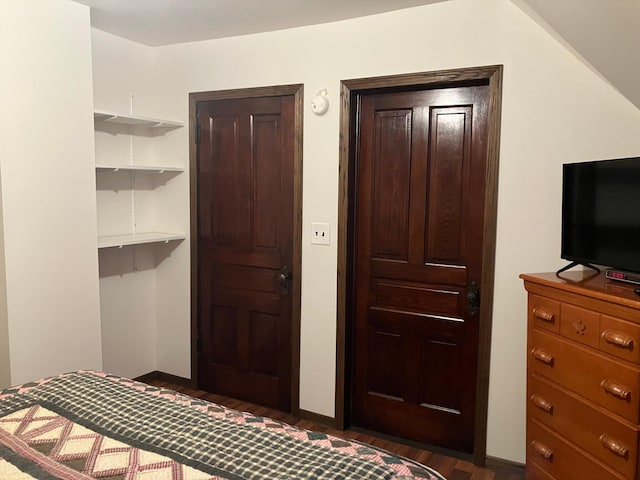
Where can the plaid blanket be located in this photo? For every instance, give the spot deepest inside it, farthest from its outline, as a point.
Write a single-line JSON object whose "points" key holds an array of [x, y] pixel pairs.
{"points": [[85, 425]]}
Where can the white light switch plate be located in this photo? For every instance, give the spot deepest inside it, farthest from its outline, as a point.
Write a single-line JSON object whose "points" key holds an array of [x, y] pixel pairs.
{"points": [[321, 234]]}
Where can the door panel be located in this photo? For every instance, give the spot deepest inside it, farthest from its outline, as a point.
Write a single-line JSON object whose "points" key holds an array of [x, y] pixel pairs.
{"points": [[382, 375], [415, 297], [442, 359], [392, 175], [449, 158], [421, 161], [245, 239]]}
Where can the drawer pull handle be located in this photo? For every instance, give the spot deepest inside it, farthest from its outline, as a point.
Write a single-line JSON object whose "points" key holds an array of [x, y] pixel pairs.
{"points": [[614, 445], [544, 315], [542, 356], [618, 339], [541, 403], [616, 389], [542, 450]]}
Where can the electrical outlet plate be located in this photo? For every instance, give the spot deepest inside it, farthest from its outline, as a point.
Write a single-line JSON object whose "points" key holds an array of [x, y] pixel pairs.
{"points": [[321, 234]]}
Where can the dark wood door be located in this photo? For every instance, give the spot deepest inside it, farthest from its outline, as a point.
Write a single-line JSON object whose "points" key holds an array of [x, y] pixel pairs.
{"points": [[421, 162], [245, 174]]}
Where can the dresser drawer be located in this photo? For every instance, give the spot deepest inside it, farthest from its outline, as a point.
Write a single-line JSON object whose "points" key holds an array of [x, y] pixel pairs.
{"points": [[620, 338], [609, 440], [534, 472], [580, 325], [544, 313], [560, 459], [601, 379]]}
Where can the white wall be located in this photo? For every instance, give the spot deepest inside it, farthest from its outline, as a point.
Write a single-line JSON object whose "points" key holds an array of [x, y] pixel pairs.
{"points": [[555, 110], [48, 188], [5, 358]]}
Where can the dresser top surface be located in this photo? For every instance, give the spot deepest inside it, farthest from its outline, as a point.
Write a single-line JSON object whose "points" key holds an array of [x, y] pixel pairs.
{"points": [[584, 282]]}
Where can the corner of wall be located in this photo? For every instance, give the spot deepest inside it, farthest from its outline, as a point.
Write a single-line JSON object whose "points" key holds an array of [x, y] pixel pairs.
{"points": [[5, 358]]}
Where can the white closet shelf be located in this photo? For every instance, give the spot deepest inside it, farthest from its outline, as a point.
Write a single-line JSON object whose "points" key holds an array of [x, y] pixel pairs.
{"points": [[138, 168], [135, 120], [120, 241]]}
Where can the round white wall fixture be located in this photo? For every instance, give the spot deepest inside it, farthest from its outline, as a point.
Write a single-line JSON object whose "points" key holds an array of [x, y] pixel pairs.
{"points": [[320, 103]]}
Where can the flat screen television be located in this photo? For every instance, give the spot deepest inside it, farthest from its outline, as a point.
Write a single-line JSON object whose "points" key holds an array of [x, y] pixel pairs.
{"points": [[601, 213]]}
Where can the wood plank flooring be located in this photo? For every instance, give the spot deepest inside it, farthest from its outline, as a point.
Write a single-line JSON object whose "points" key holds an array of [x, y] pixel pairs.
{"points": [[451, 467]]}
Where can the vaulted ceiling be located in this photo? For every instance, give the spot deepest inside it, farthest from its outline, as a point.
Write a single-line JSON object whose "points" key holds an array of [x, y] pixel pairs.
{"points": [[603, 33], [164, 22]]}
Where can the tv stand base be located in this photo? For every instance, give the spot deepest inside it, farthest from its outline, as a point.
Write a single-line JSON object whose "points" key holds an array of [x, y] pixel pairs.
{"points": [[575, 264]]}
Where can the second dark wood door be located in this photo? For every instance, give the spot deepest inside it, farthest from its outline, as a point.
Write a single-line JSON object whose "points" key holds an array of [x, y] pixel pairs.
{"points": [[245, 248], [421, 164]]}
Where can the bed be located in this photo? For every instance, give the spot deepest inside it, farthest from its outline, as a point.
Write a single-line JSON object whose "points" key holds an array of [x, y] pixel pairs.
{"points": [[85, 425]]}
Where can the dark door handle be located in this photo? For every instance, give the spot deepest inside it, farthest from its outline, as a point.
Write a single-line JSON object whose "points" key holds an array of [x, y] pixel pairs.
{"points": [[284, 278], [473, 298]]}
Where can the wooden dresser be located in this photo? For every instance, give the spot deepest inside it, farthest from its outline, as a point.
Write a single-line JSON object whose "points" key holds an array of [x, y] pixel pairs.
{"points": [[583, 377]]}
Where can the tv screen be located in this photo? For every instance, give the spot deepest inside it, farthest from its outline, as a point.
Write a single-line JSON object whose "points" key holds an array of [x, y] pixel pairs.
{"points": [[601, 213]]}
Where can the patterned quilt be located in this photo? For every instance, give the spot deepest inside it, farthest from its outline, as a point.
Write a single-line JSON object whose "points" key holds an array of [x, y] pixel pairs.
{"points": [[88, 425]]}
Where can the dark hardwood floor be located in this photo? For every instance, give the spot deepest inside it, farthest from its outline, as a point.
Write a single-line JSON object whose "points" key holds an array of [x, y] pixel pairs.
{"points": [[451, 467]]}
